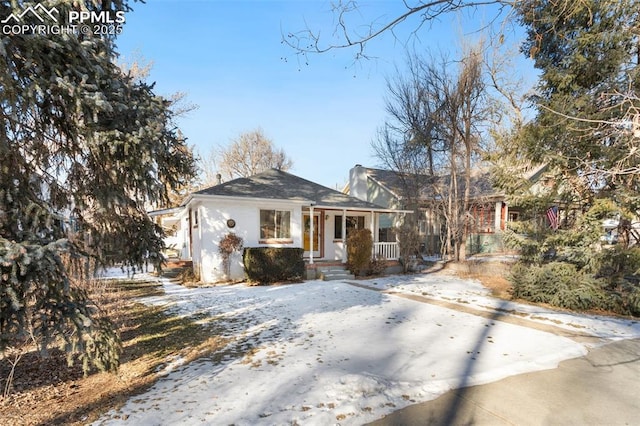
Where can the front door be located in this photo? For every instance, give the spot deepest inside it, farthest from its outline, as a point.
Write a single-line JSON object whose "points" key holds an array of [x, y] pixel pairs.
{"points": [[307, 234]]}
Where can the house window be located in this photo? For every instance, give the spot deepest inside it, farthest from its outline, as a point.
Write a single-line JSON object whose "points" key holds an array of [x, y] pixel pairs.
{"points": [[194, 218], [386, 228], [387, 235], [353, 222], [275, 225]]}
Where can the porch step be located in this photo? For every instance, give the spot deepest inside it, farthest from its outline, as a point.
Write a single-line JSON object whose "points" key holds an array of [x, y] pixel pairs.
{"points": [[174, 269], [173, 272], [334, 273], [177, 263]]}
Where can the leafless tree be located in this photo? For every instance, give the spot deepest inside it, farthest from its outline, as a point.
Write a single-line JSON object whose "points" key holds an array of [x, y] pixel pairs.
{"points": [[250, 153], [434, 137], [209, 171]]}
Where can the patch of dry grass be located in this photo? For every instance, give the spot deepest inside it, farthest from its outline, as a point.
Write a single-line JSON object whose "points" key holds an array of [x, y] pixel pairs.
{"points": [[491, 274], [46, 391], [500, 287]]}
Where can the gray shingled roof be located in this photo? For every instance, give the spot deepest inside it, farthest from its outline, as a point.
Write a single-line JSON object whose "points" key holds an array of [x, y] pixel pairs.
{"points": [[481, 185], [396, 181], [278, 185]]}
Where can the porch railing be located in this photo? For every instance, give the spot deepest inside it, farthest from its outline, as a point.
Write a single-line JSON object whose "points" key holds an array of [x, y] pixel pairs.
{"points": [[387, 251]]}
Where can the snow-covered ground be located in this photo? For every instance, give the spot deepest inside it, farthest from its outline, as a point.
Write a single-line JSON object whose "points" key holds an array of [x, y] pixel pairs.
{"points": [[472, 293], [333, 353]]}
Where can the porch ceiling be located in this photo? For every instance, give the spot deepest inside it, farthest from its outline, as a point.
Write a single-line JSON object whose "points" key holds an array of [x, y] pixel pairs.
{"points": [[375, 209]]}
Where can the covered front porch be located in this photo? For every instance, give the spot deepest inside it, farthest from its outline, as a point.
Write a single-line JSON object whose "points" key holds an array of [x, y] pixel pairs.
{"points": [[325, 231]]}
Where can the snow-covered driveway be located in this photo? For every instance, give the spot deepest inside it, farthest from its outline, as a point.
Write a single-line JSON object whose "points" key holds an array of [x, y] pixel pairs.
{"points": [[333, 353]]}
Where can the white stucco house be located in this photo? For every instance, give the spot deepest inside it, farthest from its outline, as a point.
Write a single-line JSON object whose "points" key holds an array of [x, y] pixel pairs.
{"points": [[275, 209]]}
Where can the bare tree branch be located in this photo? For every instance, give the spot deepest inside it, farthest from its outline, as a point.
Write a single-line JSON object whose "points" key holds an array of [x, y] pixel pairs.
{"points": [[310, 41]]}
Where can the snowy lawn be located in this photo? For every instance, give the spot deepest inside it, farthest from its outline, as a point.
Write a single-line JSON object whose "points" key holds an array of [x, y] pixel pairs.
{"points": [[330, 353]]}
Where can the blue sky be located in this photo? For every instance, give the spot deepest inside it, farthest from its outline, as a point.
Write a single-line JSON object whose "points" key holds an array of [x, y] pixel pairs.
{"points": [[228, 57]]}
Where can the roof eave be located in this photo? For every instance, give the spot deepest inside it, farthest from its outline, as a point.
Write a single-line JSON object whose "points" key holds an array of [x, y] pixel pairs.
{"points": [[162, 212], [208, 197], [360, 209]]}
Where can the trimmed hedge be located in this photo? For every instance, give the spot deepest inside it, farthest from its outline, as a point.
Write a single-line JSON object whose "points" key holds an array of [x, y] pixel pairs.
{"points": [[264, 265]]}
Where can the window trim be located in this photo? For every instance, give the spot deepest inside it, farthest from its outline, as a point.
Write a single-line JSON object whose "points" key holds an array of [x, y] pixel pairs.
{"points": [[282, 240]]}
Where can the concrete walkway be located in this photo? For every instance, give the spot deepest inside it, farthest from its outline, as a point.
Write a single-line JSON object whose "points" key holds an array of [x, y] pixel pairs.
{"points": [[602, 388]]}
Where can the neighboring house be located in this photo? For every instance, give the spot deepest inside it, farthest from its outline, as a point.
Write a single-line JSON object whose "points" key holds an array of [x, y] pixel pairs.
{"points": [[270, 209], [176, 236], [489, 210]]}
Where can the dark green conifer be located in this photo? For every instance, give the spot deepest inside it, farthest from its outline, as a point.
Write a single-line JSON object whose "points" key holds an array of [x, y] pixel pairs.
{"points": [[79, 140]]}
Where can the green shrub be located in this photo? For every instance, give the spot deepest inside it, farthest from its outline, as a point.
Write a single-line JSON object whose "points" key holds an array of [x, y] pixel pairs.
{"points": [[583, 296], [559, 284], [632, 301], [264, 265], [359, 249], [529, 248], [562, 284], [618, 263]]}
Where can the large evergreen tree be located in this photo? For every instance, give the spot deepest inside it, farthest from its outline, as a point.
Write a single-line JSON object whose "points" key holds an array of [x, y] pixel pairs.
{"points": [[587, 127], [79, 140], [587, 133], [588, 104]]}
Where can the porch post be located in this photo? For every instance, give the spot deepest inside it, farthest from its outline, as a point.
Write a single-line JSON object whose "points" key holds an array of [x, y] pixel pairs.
{"points": [[344, 236], [374, 237], [499, 218], [311, 235]]}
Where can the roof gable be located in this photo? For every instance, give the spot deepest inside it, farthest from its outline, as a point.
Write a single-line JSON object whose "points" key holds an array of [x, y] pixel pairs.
{"points": [[396, 182]]}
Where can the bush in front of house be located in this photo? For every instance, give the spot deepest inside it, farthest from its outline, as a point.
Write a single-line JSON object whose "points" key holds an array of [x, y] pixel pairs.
{"points": [[573, 267], [377, 266], [229, 244], [264, 265], [408, 244], [609, 282], [561, 284], [359, 249], [618, 263]]}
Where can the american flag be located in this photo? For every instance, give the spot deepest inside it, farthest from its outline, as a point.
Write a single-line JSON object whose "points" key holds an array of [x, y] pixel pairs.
{"points": [[552, 215]]}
